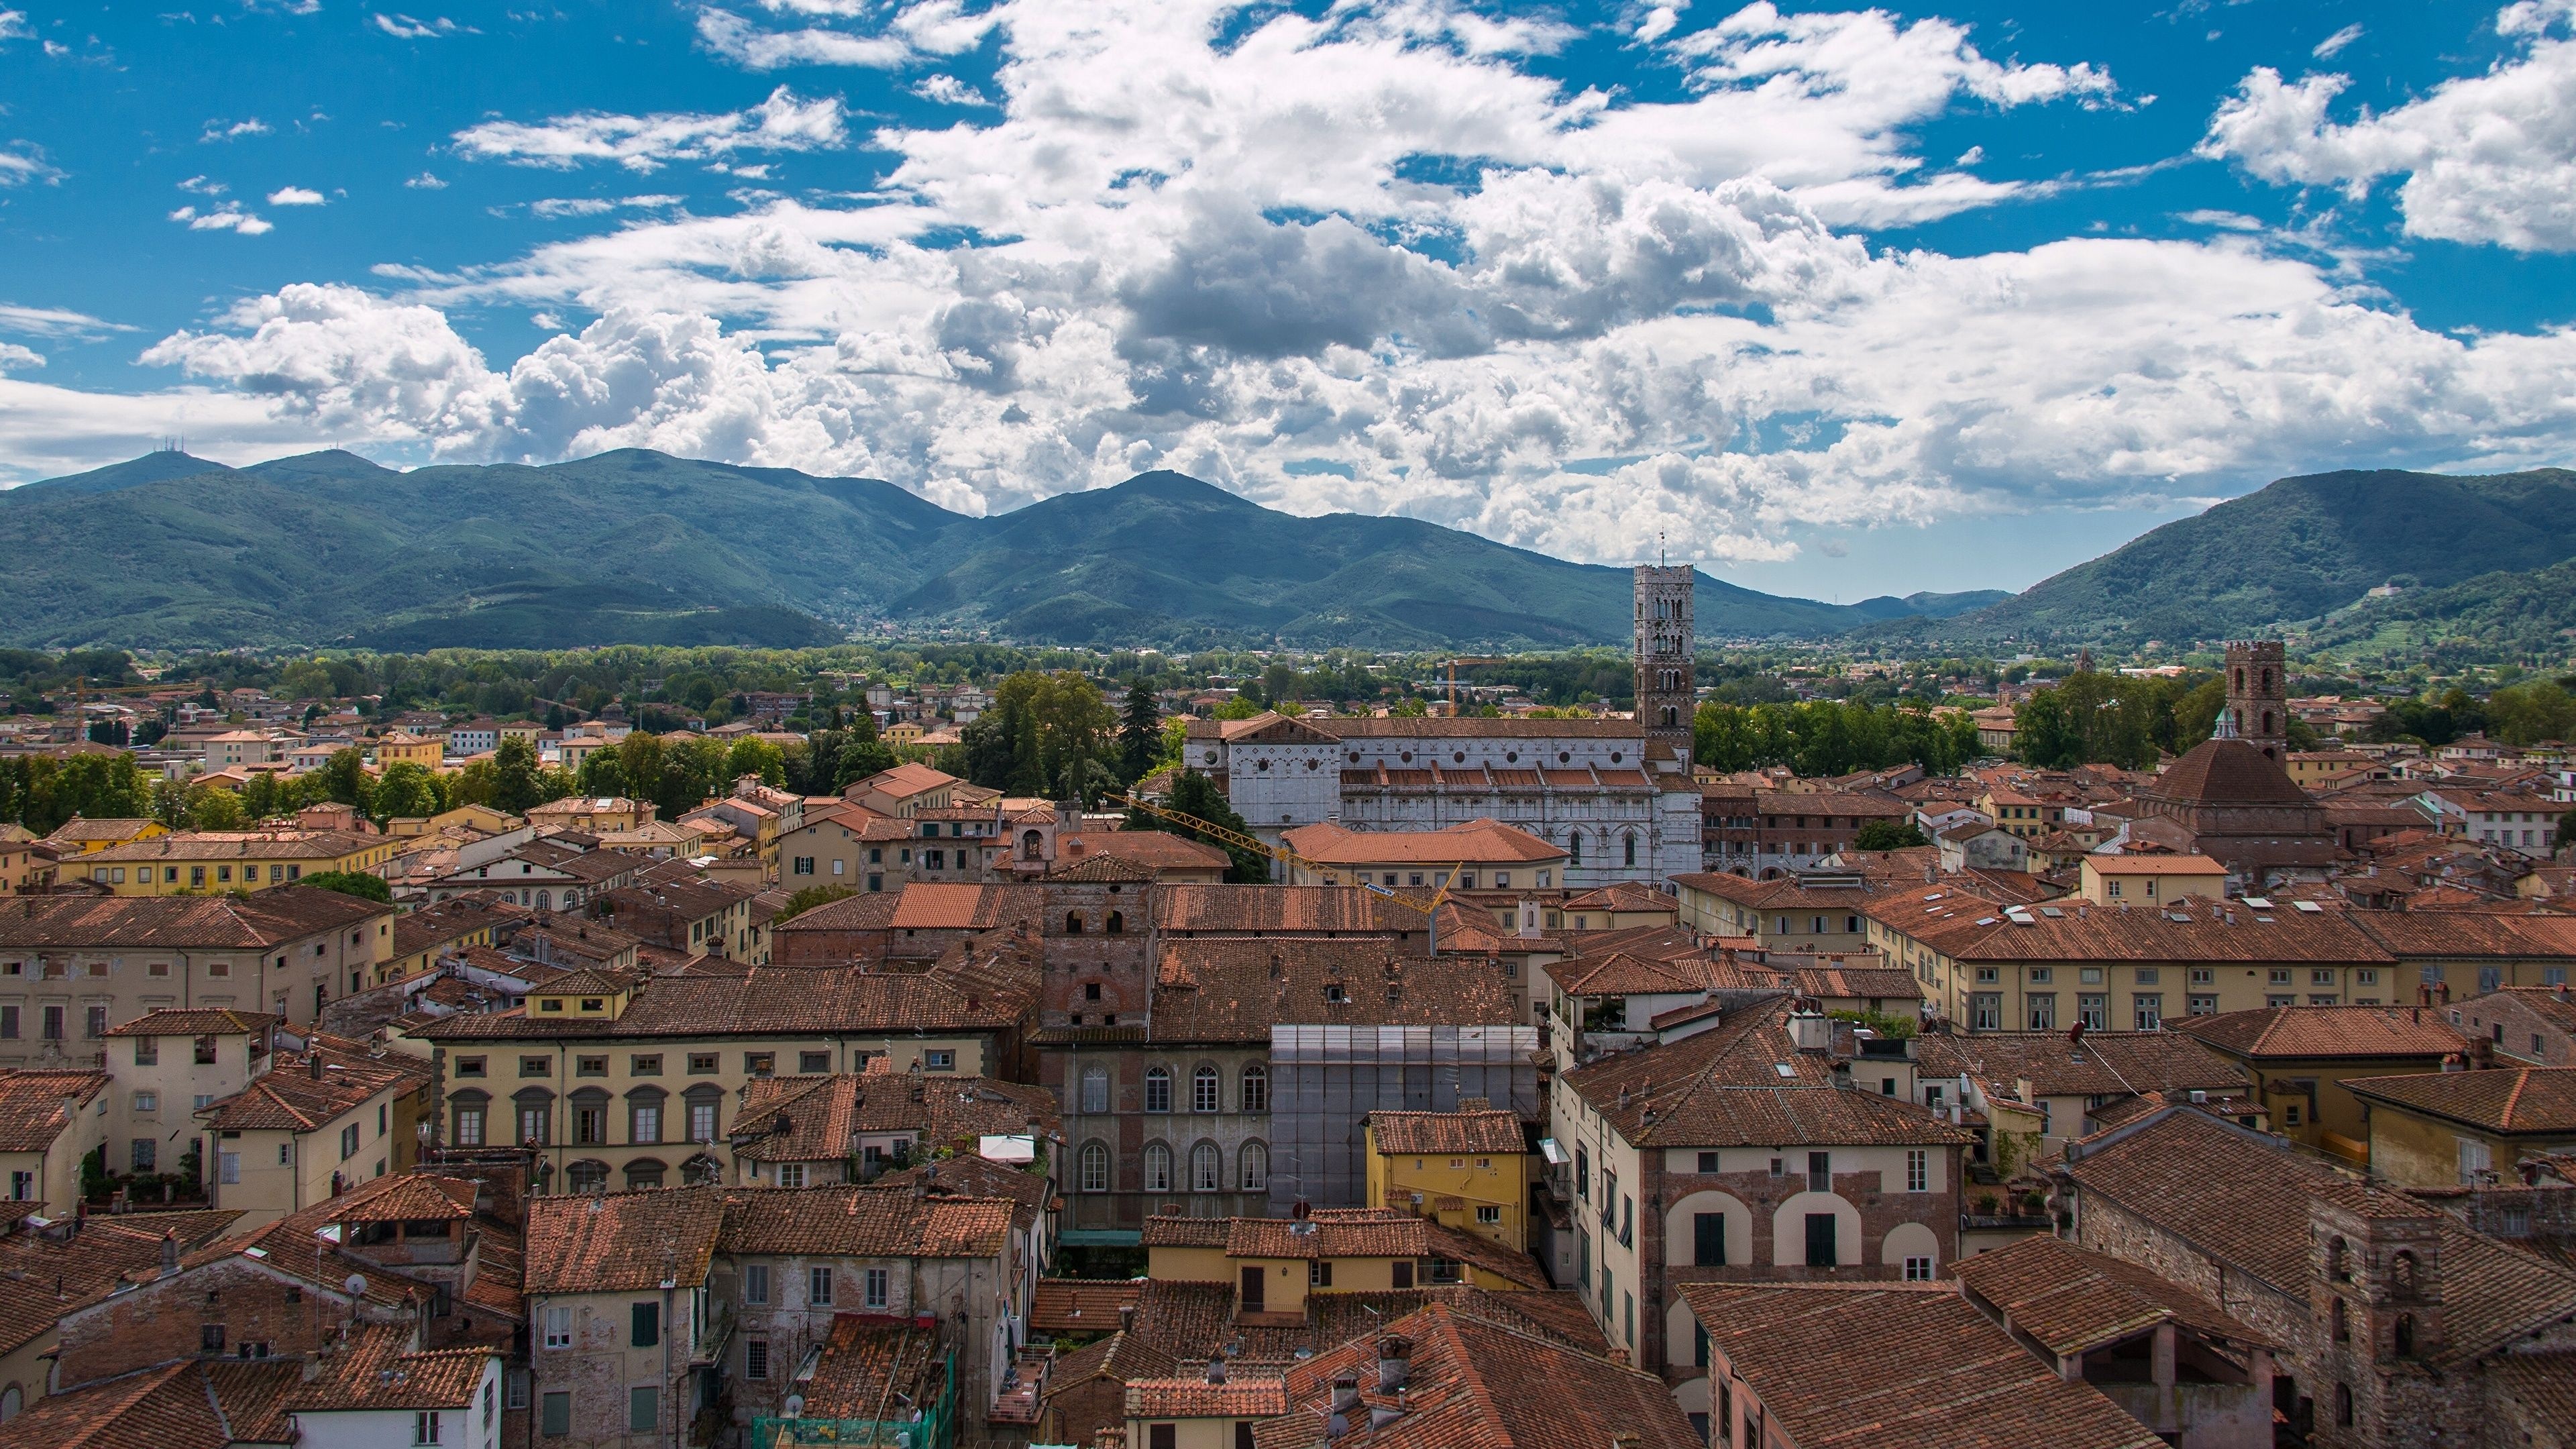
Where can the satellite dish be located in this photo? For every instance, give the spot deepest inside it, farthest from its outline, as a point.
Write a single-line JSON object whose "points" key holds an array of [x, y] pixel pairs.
{"points": [[356, 1283], [795, 1406]]}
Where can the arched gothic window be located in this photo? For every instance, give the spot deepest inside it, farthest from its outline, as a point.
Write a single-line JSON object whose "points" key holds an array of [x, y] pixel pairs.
{"points": [[1095, 1167], [1207, 1168], [1158, 1090]]}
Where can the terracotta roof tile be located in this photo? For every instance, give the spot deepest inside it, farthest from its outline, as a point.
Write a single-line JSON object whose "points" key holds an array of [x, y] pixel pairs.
{"points": [[1227, 989], [2073, 1300], [170, 923], [1470, 1382], [1478, 842], [862, 1360], [1241, 1398], [1447, 1132], [1743, 1083], [1913, 1365], [622, 1242], [1077, 1305], [863, 1222], [2509, 1102], [2238, 1195], [198, 1021], [160, 1408], [377, 1371], [2274, 1032], [1237, 910], [31, 1106]]}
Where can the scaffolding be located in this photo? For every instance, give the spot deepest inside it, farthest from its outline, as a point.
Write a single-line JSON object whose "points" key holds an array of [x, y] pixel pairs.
{"points": [[1325, 1080]]}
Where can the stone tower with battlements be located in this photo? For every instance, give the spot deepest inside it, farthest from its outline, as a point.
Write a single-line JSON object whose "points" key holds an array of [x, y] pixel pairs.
{"points": [[2258, 687], [1665, 696]]}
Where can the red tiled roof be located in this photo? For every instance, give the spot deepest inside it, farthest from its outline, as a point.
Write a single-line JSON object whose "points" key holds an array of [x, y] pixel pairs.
{"points": [[1077, 1305], [2073, 1301], [1472, 1383], [1231, 989], [1899, 1364], [1242, 1398], [2273, 1032], [1744, 1083], [622, 1242], [1496, 1132], [2510, 1102], [865, 1222], [32, 1115], [198, 1021], [1488, 842]]}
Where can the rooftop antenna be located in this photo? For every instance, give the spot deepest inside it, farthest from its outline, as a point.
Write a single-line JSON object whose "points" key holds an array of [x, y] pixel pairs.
{"points": [[1659, 548]]}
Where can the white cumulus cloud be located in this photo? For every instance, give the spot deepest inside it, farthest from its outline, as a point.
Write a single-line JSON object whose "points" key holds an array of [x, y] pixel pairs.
{"points": [[227, 217], [748, 45], [295, 196], [948, 90], [1380, 245], [14, 356], [642, 143], [405, 27], [2487, 159]]}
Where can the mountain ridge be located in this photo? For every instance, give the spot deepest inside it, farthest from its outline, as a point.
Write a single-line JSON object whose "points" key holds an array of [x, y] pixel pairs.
{"points": [[639, 546]]}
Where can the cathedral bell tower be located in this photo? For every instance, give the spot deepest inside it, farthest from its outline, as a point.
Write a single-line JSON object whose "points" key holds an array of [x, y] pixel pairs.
{"points": [[1665, 693], [2258, 687]]}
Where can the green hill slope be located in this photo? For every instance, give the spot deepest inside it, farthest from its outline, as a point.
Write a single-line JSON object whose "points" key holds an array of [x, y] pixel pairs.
{"points": [[2297, 549], [637, 546]]}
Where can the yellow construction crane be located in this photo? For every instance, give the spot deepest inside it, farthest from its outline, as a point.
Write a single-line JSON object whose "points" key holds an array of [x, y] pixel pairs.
{"points": [[1471, 660], [1428, 905]]}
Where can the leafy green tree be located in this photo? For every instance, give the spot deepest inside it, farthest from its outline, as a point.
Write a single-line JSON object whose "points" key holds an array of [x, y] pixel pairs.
{"points": [[2044, 736], [754, 757], [514, 776], [639, 765], [352, 883], [343, 778], [211, 807], [1243, 706], [1888, 835], [406, 791], [603, 773]]}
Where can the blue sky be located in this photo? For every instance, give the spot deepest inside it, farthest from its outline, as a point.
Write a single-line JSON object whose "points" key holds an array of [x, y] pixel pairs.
{"points": [[1845, 301]]}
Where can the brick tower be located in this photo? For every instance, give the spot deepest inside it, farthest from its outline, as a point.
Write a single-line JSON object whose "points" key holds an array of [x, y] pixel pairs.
{"points": [[1663, 652], [2258, 686]]}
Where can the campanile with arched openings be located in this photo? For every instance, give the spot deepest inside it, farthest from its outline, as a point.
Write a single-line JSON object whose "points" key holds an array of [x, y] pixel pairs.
{"points": [[1663, 633], [2258, 688]]}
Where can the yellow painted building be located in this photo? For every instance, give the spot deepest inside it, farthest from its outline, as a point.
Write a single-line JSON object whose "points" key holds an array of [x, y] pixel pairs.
{"points": [[311, 1128], [2150, 880], [1273, 1263], [1468, 1169], [214, 861], [402, 747]]}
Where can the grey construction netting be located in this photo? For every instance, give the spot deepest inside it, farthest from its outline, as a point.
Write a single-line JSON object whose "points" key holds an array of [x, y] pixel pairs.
{"points": [[1325, 1080]]}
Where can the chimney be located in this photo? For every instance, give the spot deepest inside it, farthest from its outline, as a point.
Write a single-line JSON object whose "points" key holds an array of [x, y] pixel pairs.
{"points": [[1475, 1104], [1346, 1394], [170, 1251], [313, 1064], [1394, 1362], [1126, 1317], [1809, 1028], [1216, 1367]]}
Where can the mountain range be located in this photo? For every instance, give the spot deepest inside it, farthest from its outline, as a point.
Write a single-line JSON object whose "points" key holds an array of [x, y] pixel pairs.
{"points": [[2303, 555], [640, 547], [636, 546]]}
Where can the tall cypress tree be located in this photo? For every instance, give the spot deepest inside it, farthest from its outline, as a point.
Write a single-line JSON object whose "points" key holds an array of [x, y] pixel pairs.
{"points": [[1140, 738]]}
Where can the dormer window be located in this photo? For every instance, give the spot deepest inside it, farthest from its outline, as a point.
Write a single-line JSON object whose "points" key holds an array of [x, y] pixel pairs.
{"points": [[1333, 994], [549, 1003], [593, 1003]]}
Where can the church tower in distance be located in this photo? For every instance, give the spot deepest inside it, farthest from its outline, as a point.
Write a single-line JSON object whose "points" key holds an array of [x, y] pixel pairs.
{"points": [[2258, 687], [1665, 695]]}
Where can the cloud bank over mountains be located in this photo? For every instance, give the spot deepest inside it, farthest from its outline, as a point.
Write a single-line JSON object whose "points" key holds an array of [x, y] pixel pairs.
{"points": [[1378, 262]]}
